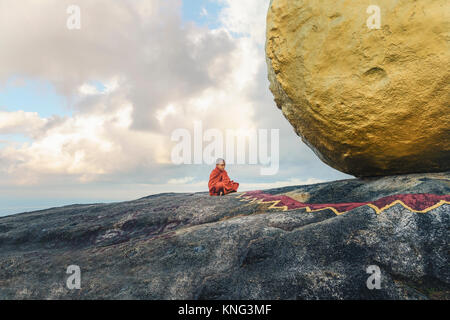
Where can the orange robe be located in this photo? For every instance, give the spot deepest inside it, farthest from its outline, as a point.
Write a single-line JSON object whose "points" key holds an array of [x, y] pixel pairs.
{"points": [[220, 182]]}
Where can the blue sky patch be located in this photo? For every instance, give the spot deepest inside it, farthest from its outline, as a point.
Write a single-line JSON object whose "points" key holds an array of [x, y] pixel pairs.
{"points": [[13, 137], [202, 12], [98, 85], [32, 95]]}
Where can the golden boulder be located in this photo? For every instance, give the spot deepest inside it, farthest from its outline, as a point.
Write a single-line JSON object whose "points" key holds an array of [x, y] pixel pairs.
{"points": [[366, 87]]}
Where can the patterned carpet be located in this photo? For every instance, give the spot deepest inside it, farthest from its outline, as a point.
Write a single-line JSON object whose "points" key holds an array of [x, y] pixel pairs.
{"points": [[420, 202]]}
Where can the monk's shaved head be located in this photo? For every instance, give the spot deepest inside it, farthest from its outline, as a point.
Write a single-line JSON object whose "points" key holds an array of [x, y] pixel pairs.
{"points": [[220, 160]]}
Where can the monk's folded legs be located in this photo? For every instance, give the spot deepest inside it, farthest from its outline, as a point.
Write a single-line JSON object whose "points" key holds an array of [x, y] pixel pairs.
{"points": [[222, 189], [219, 188]]}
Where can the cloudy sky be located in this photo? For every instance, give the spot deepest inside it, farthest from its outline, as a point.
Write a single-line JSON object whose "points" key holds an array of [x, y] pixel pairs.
{"points": [[87, 115]]}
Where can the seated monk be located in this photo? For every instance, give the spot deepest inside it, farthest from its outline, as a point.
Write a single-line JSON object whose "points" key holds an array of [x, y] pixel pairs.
{"points": [[219, 182]]}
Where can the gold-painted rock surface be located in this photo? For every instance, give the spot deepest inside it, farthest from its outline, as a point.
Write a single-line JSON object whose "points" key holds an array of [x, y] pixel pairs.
{"points": [[368, 101]]}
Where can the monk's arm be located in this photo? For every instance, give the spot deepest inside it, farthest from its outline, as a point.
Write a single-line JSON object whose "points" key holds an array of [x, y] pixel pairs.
{"points": [[225, 177], [228, 183], [213, 179]]}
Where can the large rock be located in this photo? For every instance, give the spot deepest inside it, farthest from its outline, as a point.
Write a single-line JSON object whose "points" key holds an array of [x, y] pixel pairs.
{"points": [[241, 246], [369, 102]]}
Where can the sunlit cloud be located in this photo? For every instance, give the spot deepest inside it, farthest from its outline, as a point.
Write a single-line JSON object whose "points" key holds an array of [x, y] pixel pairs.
{"points": [[181, 180]]}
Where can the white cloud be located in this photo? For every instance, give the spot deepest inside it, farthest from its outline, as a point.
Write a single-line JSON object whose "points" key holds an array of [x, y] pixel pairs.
{"points": [[20, 122], [162, 114], [85, 145], [88, 89], [181, 180], [246, 17]]}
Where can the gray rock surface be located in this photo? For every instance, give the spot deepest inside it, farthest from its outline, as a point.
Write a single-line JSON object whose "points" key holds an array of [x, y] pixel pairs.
{"points": [[193, 246]]}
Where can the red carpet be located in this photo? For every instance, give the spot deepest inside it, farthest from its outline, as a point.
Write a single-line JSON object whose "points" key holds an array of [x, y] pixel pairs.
{"points": [[420, 202]]}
